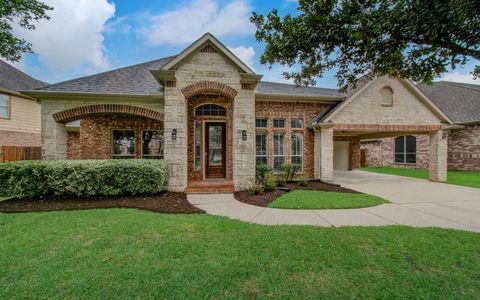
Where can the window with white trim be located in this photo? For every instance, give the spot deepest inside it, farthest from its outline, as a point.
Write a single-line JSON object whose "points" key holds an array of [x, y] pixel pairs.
{"points": [[261, 123], [278, 150], [4, 106], [297, 149], [261, 148], [406, 149], [296, 123], [278, 123]]}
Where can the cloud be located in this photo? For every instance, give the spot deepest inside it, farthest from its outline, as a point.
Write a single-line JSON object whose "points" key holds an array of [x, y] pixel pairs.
{"points": [[460, 77], [245, 54], [72, 39], [187, 23]]}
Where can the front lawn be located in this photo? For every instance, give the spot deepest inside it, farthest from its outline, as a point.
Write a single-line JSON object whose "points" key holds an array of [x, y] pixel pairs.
{"points": [[127, 253], [465, 178], [304, 199]]}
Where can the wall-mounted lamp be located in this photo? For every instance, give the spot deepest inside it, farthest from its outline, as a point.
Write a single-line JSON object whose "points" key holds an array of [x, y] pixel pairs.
{"points": [[174, 134], [244, 135]]}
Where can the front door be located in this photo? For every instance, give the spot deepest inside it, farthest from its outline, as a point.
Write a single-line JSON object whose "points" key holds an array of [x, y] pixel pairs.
{"points": [[215, 150]]}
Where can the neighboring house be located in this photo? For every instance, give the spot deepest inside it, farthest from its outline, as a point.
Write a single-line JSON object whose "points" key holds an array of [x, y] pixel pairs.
{"points": [[459, 101], [211, 118], [19, 113]]}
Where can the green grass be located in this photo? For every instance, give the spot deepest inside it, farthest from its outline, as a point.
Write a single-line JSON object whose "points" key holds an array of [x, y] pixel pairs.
{"points": [[465, 178], [121, 253], [317, 199]]}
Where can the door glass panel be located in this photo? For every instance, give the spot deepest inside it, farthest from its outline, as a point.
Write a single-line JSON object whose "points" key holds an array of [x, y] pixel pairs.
{"points": [[215, 135]]}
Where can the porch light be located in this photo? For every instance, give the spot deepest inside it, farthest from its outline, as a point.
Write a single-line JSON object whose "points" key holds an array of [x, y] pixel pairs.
{"points": [[174, 134], [244, 135]]}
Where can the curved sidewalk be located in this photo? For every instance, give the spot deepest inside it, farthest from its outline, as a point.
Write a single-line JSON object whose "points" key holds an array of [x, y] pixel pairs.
{"points": [[462, 214]]}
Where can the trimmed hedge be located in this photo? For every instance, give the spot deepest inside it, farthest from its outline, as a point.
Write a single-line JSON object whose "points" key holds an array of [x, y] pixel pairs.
{"points": [[82, 178]]}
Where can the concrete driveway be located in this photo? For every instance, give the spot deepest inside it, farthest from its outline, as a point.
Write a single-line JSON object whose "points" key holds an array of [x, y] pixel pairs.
{"points": [[417, 202]]}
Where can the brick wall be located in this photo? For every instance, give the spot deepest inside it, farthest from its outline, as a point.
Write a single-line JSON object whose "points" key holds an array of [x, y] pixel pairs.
{"points": [[94, 140], [20, 139], [464, 148], [289, 110]]}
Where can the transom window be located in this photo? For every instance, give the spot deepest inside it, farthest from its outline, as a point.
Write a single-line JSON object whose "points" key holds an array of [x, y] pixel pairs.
{"points": [[406, 149], [296, 123], [261, 123], [4, 106], [210, 110], [261, 148], [387, 96], [278, 123]]}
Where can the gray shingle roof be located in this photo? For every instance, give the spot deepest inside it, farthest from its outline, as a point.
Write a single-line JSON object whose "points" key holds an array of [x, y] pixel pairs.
{"points": [[15, 80], [265, 87], [132, 80], [459, 101]]}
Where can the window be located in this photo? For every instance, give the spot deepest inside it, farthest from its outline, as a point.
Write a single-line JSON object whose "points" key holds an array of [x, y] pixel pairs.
{"points": [[296, 123], [261, 148], [210, 110], [4, 106], [406, 149], [387, 96], [123, 143], [278, 150], [278, 123], [198, 144], [261, 123], [297, 149], [152, 144]]}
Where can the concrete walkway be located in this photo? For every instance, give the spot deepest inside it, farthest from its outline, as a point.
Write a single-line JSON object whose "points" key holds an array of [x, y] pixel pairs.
{"points": [[415, 202]]}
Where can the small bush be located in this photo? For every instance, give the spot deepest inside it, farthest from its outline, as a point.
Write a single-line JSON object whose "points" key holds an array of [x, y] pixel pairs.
{"points": [[289, 171], [281, 180], [82, 178], [254, 188], [261, 170], [269, 182], [302, 181]]}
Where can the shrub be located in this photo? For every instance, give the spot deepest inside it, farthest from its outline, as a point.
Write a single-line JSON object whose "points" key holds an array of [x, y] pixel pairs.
{"points": [[289, 171], [302, 181], [281, 180], [261, 170], [82, 178], [269, 182], [254, 188]]}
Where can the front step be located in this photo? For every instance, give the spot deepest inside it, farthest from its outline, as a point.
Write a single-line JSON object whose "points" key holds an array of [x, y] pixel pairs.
{"points": [[210, 186]]}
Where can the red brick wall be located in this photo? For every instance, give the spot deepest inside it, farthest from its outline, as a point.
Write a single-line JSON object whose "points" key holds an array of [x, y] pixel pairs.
{"points": [[289, 110], [94, 141], [464, 149], [20, 139]]}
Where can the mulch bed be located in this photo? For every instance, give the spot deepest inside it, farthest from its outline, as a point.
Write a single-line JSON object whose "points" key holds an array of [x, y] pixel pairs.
{"points": [[168, 202], [265, 198]]}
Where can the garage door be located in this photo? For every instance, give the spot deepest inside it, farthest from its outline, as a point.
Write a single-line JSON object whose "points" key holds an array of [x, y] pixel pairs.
{"points": [[340, 155]]}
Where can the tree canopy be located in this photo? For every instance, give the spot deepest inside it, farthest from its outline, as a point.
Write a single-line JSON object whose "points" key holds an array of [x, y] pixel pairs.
{"points": [[416, 39], [21, 12]]}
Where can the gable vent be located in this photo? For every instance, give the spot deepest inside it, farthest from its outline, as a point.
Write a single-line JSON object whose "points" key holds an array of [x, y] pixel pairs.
{"points": [[208, 49]]}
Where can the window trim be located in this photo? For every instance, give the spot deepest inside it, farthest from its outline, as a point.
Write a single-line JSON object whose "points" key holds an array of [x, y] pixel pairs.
{"points": [[278, 119], [266, 121], [302, 150], [404, 151], [284, 149], [162, 156], [383, 103], [134, 142], [265, 133], [9, 107], [297, 128]]}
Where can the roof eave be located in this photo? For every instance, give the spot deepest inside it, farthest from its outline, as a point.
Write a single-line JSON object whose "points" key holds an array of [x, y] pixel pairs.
{"points": [[18, 94], [62, 94]]}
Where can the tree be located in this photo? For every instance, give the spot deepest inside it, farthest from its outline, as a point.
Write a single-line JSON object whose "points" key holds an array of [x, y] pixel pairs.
{"points": [[416, 39], [23, 13]]}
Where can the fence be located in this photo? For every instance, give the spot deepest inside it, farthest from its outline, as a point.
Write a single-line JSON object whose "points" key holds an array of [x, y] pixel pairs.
{"points": [[12, 153]]}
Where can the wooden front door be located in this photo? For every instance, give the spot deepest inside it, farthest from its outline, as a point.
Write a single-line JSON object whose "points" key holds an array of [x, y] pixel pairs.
{"points": [[215, 137]]}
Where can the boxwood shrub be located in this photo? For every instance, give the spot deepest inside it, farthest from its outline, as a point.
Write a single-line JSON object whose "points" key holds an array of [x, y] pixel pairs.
{"points": [[82, 178]]}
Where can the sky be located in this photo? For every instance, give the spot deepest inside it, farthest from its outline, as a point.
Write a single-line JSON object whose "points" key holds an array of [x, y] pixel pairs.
{"points": [[84, 37]]}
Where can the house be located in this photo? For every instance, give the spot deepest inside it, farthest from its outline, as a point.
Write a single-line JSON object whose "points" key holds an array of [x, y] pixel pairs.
{"points": [[212, 119], [459, 101], [19, 113]]}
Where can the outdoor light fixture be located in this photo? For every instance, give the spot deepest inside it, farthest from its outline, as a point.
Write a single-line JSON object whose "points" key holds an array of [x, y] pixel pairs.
{"points": [[174, 134], [244, 135]]}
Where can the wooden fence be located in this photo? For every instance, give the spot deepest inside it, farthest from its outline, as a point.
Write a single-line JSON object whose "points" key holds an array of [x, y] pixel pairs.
{"points": [[12, 153]]}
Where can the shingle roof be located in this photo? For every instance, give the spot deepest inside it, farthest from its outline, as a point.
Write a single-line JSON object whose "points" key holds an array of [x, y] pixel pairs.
{"points": [[15, 80], [459, 101], [265, 87], [132, 80]]}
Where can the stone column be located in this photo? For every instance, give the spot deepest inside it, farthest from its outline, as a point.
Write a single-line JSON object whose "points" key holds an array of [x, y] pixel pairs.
{"points": [[437, 165], [54, 134], [175, 151], [323, 155]]}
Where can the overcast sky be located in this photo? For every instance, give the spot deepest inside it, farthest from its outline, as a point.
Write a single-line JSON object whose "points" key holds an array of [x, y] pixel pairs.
{"points": [[90, 36]]}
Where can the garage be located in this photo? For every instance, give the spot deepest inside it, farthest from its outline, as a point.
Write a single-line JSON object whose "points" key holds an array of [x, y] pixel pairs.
{"points": [[341, 150]]}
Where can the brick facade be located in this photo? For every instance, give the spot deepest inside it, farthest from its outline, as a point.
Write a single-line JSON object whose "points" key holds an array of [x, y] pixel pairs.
{"points": [[94, 140], [288, 111], [20, 139]]}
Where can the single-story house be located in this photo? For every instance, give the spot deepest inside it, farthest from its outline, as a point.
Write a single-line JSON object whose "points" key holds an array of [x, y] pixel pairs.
{"points": [[19, 113], [212, 119]]}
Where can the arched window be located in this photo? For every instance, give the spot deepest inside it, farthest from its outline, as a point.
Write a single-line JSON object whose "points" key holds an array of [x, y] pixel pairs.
{"points": [[406, 149], [387, 96], [210, 110]]}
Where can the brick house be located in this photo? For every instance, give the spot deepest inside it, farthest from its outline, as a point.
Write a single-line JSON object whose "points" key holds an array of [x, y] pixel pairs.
{"points": [[212, 119], [459, 101], [19, 113]]}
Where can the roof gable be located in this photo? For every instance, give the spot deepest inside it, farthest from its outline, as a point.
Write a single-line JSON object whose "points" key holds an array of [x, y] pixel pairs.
{"points": [[207, 41]]}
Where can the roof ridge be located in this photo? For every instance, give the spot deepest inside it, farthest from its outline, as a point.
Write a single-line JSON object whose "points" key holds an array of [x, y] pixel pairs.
{"points": [[106, 72]]}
